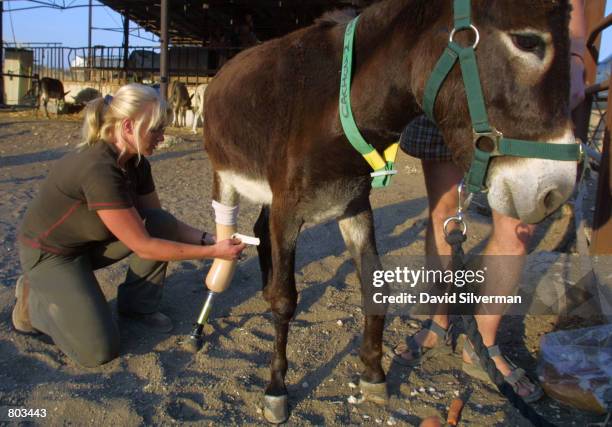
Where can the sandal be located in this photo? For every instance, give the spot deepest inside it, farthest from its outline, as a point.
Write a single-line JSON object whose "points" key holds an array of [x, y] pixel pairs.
{"points": [[21, 311], [417, 351], [516, 376]]}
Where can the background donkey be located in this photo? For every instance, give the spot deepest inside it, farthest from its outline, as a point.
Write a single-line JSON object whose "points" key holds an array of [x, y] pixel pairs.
{"points": [[198, 106], [273, 134], [180, 102], [49, 88]]}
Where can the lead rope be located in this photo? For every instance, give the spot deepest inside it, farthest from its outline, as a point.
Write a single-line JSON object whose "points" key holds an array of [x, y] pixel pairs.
{"points": [[455, 238]]}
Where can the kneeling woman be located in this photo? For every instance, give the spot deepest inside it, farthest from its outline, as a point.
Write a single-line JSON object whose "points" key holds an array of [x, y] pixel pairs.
{"points": [[97, 206]]}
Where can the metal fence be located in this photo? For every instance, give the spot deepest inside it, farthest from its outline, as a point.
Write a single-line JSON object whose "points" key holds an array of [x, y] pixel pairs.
{"points": [[190, 64]]}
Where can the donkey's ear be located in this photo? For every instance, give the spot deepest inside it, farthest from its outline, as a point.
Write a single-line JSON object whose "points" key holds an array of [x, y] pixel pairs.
{"points": [[191, 96]]}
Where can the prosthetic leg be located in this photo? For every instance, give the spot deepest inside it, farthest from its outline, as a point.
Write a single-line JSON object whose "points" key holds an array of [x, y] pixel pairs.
{"points": [[220, 274]]}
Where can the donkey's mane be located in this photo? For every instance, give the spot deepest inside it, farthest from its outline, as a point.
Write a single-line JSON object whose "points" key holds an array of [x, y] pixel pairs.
{"points": [[336, 16]]}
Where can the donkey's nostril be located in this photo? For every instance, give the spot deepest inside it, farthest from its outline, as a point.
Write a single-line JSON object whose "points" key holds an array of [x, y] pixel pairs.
{"points": [[552, 200]]}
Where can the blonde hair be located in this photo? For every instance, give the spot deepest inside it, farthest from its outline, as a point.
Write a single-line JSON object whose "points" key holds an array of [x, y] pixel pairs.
{"points": [[103, 116]]}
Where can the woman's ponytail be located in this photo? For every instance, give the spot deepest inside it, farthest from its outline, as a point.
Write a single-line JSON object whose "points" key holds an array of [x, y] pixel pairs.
{"points": [[93, 122]]}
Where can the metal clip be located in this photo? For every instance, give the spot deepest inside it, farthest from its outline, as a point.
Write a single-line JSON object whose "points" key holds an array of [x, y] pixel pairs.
{"points": [[463, 202], [464, 198]]}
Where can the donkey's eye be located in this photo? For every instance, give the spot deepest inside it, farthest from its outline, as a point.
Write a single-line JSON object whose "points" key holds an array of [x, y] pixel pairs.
{"points": [[528, 43]]}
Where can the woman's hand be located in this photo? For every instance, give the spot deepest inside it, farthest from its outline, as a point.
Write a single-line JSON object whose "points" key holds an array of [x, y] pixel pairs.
{"points": [[229, 249]]}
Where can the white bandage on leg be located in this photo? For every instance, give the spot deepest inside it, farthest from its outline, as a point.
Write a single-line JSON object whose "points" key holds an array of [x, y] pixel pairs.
{"points": [[226, 215], [221, 272]]}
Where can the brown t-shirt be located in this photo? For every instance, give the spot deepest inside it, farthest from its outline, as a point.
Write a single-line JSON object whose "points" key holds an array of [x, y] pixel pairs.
{"points": [[62, 218]]}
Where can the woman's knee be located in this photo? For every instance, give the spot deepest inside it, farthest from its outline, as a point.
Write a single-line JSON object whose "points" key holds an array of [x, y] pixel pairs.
{"points": [[160, 223], [510, 236], [98, 352]]}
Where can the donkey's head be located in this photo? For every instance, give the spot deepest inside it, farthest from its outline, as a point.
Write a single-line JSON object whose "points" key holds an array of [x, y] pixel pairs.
{"points": [[523, 62]]}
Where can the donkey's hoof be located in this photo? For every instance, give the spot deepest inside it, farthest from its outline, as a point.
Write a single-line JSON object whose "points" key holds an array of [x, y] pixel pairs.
{"points": [[374, 392], [276, 409]]}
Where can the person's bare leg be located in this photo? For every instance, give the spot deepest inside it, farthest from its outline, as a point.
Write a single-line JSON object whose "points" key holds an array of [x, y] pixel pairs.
{"points": [[441, 180], [509, 238]]}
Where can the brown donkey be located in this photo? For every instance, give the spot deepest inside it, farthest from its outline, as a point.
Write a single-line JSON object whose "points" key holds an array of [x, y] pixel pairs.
{"points": [[273, 133]]}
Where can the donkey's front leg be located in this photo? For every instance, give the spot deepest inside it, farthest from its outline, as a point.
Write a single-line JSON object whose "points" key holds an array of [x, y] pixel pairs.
{"points": [[279, 291], [357, 228]]}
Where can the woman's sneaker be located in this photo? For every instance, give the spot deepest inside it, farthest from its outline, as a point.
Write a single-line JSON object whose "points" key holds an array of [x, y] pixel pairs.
{"points": [[21, 312]]}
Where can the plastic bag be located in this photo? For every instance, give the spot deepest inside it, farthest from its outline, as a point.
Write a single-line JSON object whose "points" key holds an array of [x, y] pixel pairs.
{"points": [[575, 367]]}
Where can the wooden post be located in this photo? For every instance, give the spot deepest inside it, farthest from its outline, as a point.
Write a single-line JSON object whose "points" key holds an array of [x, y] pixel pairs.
{"points": [[163, 60], [593, 12], [1, 56], [601, 242]]}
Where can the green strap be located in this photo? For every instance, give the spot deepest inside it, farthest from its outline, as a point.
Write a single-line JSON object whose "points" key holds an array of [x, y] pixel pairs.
{"points": [[346, 113], [473, 89], [539, 150], [474, 179], [438, 75], [463, 14]]}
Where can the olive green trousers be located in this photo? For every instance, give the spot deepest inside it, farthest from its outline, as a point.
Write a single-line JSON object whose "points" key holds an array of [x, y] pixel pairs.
{"points": [[66, 301]]}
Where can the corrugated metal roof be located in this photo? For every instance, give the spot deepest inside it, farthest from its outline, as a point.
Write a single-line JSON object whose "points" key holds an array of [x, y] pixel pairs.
{"points": [[205, 21]]}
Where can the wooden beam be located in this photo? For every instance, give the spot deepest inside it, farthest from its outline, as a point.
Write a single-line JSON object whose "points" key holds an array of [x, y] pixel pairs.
{"points": [[601, 242], [593, 12], [194, 26], [1, 57]]}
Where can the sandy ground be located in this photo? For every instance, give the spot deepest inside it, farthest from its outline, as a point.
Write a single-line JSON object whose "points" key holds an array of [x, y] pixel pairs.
{"points": [[156, 381]]}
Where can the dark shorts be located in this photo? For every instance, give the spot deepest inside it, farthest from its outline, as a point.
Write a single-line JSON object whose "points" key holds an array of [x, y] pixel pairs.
{"points": [[422, 139]]}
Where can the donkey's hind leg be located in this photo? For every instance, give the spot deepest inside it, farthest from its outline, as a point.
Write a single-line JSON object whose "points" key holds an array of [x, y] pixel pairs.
{"points": [[357, 228], [279, 290], [262, 231]]}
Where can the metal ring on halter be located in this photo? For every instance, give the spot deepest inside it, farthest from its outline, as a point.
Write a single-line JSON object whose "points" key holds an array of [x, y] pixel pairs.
{"points": [[471, 27], [458, 220]]}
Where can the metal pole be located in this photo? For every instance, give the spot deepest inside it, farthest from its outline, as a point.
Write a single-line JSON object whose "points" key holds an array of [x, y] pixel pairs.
{"points": [[1, 56], [593, 13], [601, 242], [89, 25], [163, 62], [126, 41]]}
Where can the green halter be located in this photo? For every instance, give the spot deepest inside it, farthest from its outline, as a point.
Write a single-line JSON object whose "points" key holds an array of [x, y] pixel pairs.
{"points": [[382, 166], [482, 130]]}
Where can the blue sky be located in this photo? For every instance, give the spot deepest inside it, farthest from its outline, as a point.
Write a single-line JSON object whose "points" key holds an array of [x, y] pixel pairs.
{"points": [[69, 27]]}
